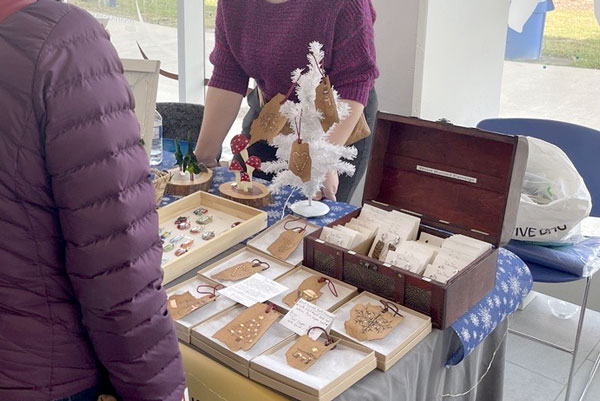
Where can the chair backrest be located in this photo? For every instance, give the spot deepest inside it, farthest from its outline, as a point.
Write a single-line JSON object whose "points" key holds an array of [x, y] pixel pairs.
{"points": [[581, 144], [181, 119]]}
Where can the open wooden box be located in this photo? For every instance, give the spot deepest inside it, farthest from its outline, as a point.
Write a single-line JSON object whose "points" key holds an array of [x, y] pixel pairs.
{"points": [[389, 350], [225, 214], [331, 375], [458, 181]]}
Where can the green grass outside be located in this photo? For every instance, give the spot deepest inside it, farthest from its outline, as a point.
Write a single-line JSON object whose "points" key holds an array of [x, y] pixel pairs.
{"points": [[162, 12], [573, 35]]}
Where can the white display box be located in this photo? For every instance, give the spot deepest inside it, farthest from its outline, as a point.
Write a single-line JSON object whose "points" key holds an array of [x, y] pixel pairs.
{"points": [[404, 337]]}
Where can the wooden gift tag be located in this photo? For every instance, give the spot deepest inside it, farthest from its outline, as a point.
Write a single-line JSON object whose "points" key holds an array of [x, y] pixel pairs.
{"points": [[309, 289], [241, 270], [269, 122], [285, 244], [184, 304], [371, 322], [248, 327], [305, 352], [325, 102], [300, 161]]}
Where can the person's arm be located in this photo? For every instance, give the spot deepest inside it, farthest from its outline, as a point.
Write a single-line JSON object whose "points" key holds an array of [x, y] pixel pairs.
{"points": [[353, 72], [226, 88], [220, 111], [99, 174]]}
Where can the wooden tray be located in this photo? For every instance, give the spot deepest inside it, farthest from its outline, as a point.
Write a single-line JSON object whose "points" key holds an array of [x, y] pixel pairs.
{"points": [[224, 212]]}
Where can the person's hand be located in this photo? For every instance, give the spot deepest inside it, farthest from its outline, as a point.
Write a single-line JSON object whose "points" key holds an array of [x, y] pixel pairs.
{"points": [[330, 186], [208, 161]]}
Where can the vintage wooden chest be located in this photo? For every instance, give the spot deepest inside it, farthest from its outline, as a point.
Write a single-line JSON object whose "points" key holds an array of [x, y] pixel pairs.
{"points": [[458, 181]]}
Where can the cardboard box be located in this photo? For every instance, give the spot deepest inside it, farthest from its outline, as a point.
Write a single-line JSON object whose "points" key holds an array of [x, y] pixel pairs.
{"points": [[404, 337], [224, 212], [262, 241], [457, 181], [326, 301], [330, 376], [201, 337]]}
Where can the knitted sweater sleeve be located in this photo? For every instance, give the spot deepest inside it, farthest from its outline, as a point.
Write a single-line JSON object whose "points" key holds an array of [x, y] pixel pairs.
{"points": [[353, 69], [105, 201], [227, 73]]}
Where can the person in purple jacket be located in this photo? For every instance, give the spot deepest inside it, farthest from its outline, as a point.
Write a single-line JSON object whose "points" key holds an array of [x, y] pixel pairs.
{"points": [[80, 278], [267, 40]]}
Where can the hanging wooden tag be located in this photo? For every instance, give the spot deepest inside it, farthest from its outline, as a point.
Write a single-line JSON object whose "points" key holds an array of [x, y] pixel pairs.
{"points": [[305, 352], [371, 322], [309, 289], [300, 161], [248, 327], [184, 304], [269, 122], [325, 102], [285, 244], [241, 270]]}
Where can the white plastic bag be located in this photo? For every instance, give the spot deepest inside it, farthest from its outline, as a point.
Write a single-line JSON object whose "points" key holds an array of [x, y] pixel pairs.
{"points": [[554, 198]]}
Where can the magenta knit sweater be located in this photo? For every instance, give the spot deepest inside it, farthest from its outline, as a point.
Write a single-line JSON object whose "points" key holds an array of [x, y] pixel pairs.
{"points": [[265, 41]]}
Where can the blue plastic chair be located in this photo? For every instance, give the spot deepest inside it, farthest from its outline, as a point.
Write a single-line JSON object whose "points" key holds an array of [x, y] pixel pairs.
{"points": [[582, 145]]}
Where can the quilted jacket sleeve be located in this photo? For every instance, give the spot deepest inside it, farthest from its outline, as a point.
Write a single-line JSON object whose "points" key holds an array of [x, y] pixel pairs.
{"points": [[100, 180]]}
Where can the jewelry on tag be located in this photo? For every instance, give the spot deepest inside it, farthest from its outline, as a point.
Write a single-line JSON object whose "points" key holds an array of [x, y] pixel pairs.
{"points": [[196, 230], [184, 225], [325, 102], [164, 235], [269, 121], [182, 305], [392, 245], [372, 322], [187, 243], [168, 247], [200, 211], [288, 241], [204, 219], [310, 290], [176, 239], [181, 219], [306, 351], [180, 251], [300, 163], [242, 270], [248, 327], [208, 235], [379, 247]]}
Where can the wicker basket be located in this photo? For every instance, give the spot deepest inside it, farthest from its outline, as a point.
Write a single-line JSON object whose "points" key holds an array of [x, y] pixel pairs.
{"points": [[161, 179]]}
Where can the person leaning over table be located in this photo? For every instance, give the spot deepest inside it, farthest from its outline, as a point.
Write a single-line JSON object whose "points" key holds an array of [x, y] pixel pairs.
{"points": [[267, 40], [80, 276]]}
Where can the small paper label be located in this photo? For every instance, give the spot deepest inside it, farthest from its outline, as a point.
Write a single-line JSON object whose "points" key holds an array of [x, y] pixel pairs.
{"points": [[305, 315], [254, 289], [447, 174]]}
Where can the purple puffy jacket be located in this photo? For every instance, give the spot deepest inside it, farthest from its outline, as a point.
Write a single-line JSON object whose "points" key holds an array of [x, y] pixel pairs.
{"points": [[80, 276]]}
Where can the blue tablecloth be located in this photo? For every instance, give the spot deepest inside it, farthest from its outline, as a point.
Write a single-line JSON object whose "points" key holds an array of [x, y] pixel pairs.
{"points": [[513, 280]]}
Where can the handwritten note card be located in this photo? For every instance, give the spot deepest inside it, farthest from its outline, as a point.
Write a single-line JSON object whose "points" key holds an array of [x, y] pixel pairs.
{"points": [[305, 315], [254, 289]]}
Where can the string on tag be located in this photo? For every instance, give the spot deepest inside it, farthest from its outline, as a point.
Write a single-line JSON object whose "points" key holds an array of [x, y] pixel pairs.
{"points": [[257, 262], [390, 306], [330, 339], [285, 226], [270, 307], [319, 65], [291, 89], [330, 285], [298, 125], [212, 293]]}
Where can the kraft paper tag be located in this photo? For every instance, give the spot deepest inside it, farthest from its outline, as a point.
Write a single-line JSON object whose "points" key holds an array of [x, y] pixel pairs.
{"points": [[239, 271], [325, 102], [305, 352], [309, 289], [269, 122], [247, 328], [285, 244], [184, 304], [370, 322], [300, 161]]}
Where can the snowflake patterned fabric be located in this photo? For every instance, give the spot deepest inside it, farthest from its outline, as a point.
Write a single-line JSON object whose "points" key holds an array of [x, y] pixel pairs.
{"points": [[513, 280]]}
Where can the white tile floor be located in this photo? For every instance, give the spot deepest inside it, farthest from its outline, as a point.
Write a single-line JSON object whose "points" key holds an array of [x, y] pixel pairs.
{"points": [[537, 372]]}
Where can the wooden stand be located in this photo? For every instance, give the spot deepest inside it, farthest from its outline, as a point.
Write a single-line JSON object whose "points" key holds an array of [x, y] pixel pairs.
{"points": [[181, 185], [258, 196]]}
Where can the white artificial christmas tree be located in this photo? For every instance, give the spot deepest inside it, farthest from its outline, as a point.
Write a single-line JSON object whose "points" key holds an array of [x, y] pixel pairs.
{"points": [[305, 122]]}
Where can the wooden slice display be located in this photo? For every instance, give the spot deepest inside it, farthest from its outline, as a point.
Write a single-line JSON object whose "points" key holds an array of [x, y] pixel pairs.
{"points": [[258, 196], [182, 185]]}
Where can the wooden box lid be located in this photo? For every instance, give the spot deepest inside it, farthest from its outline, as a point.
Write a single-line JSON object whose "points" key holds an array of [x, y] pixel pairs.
{"points": [[463, 180]]}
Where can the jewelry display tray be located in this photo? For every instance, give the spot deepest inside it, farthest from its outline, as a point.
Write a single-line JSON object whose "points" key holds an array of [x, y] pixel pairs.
{"points": [[457, 181], [201, 337], [184, 325], [224, 212], [326, 301], [262, 241], [331, 374], [390, 349]]}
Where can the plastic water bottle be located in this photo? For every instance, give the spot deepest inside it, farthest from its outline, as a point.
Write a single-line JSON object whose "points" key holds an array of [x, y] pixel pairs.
{"points": [[156, 152]]}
